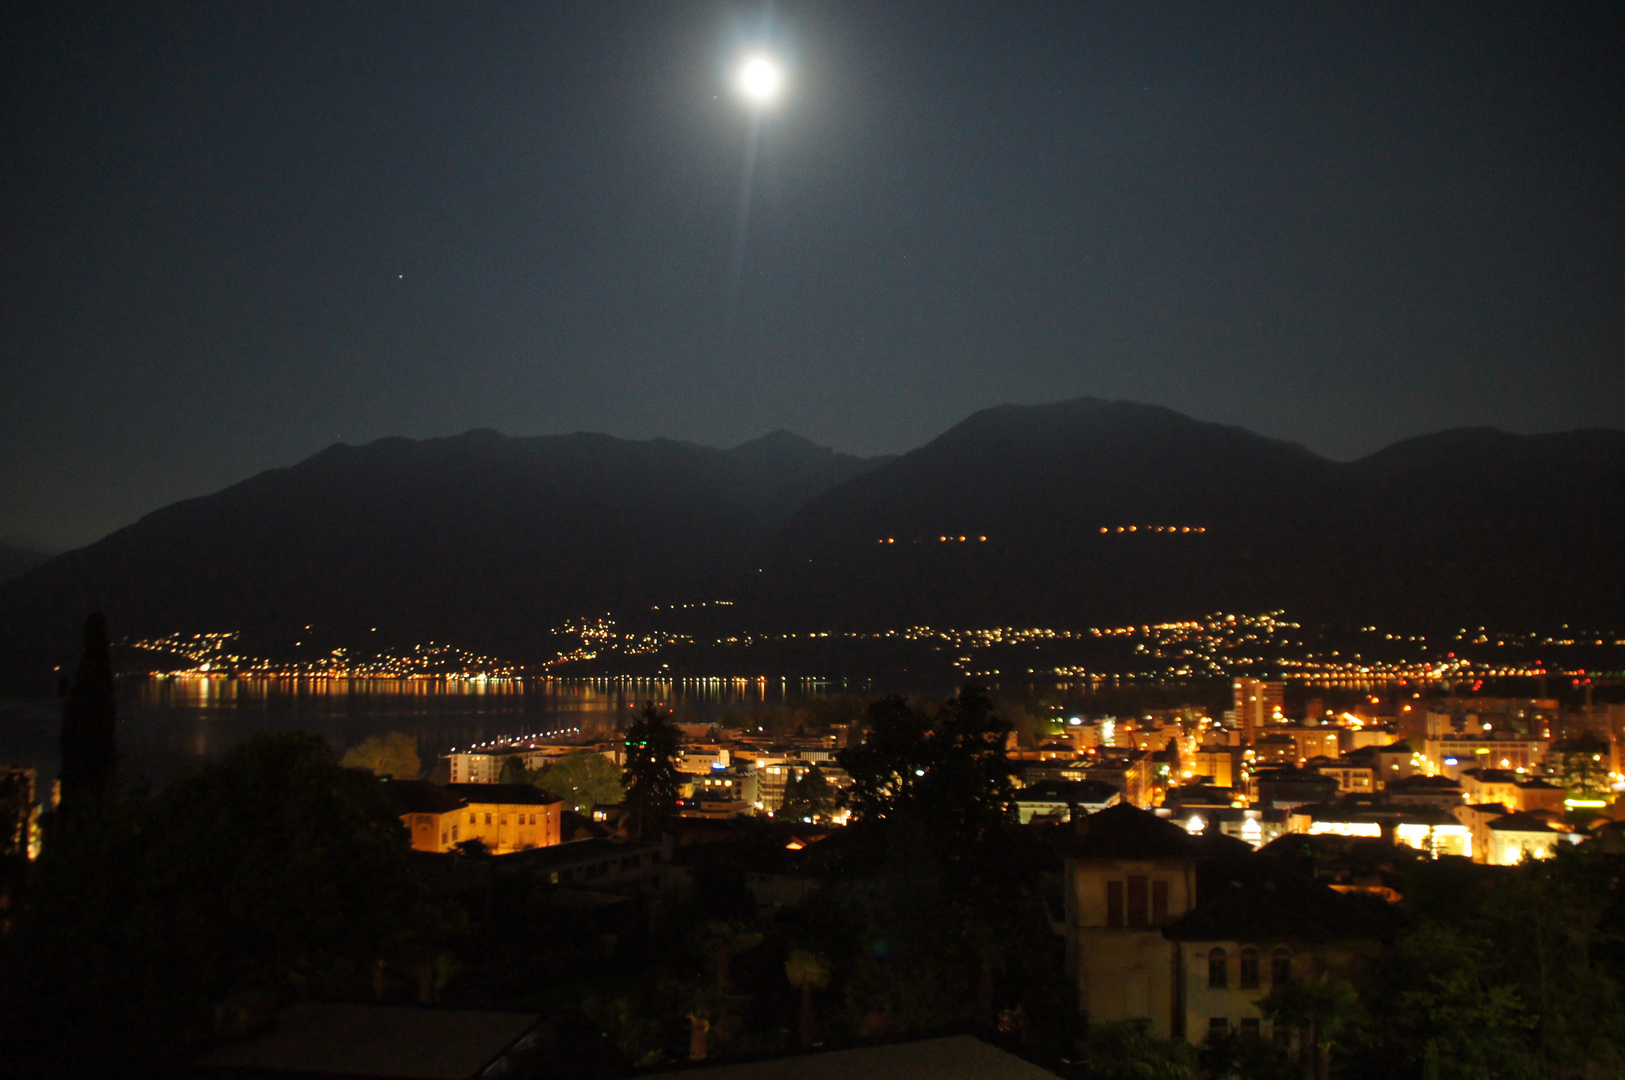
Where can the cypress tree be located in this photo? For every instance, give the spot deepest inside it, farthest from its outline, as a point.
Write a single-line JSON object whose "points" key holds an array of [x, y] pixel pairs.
{"points": [[89, 753], [651, 773]]}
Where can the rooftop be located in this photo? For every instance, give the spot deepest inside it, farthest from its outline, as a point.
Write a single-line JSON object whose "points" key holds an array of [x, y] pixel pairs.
{"points": [[959, 1057], [341, 1038], [503, 794]]}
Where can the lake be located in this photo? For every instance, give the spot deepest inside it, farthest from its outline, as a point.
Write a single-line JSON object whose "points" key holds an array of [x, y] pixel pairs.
{"points": [[168, 724]]}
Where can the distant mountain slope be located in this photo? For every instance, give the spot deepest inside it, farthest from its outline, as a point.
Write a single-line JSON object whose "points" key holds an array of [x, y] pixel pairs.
{"points": [[1458, 526], [1093, 513], [481, 540], [16, 561]]}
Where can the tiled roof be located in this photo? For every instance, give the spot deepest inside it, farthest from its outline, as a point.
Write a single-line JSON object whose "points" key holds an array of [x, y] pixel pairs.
{"points": [[1125, 831], [421, 797], [503, 794], [1521, 823], [1284, 908]]}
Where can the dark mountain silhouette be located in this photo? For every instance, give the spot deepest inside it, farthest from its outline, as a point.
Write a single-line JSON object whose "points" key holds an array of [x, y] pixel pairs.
{"points": [[16, 561], [1464, 526], [486, 541], [479, 540]]}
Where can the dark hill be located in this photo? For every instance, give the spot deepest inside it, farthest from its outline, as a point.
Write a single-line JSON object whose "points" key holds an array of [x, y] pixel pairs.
{"points": [[486, 542], [1461, 526], [480, 540], [16, 561]]}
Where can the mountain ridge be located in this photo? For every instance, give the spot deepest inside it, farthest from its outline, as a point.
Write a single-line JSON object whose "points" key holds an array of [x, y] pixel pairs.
{"points": [[1094, 512]]}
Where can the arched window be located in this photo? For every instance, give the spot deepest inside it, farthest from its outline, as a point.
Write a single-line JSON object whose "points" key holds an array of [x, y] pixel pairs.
{"points": [[1249, 969], [1280, 967], [1218, 969]]}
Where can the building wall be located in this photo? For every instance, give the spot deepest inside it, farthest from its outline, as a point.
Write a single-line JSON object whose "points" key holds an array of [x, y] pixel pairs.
{"points": [[504, 827], [1509, 848], [1236, 1003], [475, 768], [1123, 967], [1218, 764], [433, 832]]}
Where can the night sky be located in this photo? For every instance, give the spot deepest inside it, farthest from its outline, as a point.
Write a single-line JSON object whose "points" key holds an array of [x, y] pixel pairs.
{"points": [[231, 235]]}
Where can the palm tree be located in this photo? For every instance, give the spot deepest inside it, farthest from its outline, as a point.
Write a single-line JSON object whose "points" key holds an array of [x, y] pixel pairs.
{"points": [[807, 971], [1317, 1009]]}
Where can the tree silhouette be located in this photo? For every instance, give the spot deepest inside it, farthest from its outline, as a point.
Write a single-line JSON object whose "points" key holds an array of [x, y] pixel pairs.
{"points": [[953, 763], [807, 796], [394, 755], [651, 773], [583, 779], [89, 754], [1317, 1009]]}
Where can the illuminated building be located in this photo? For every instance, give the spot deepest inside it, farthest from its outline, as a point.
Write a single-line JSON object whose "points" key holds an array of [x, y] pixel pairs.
{"points": [[1143, 948], [1353, 776], [1518, 836], [1434, 832], [1483, 786], [1439, 792], [735, 784], [1450, 754], [1285, 788], [1062, 800], [431, 814], [1220, 765], [476, 768], [1257, 703], [503, 817]]}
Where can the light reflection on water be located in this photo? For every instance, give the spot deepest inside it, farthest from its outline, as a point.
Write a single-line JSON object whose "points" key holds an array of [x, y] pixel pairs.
{"points": [[168, 724]]}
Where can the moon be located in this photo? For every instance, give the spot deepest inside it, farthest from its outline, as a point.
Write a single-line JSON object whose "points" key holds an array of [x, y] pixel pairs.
{"points": [[760, 79]]}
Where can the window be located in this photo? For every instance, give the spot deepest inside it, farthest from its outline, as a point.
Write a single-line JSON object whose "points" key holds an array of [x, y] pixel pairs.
{"points": [[1159, 903], [502, 820], [454, 832], [488, 819], [1218, 969], [471, 819], [1137, 895], [1281, 1035], [1280, 967], [1114, 904], [1249, 969], [1218, 1027], [1249, 1027]]}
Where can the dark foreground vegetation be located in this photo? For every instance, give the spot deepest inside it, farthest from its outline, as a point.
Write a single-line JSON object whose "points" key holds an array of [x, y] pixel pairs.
{"points": [[159, 924]]}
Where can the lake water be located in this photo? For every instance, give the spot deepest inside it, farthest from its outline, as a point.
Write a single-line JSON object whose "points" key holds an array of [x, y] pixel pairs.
{"points": [[168, 724]]}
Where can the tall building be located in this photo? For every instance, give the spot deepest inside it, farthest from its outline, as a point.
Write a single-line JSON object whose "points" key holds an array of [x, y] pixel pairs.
{"points": [[1257, 703]]}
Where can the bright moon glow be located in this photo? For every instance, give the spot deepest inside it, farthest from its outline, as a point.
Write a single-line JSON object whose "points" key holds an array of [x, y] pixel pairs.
{"points": [[760, 80]]}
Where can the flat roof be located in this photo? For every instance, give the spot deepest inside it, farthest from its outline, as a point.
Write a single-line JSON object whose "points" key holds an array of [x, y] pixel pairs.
{"points": [[339, 1038], [958, 1057]]}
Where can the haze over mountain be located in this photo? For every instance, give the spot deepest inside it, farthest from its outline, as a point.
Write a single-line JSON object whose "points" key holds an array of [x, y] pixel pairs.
{"points": [[486, 541]]}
